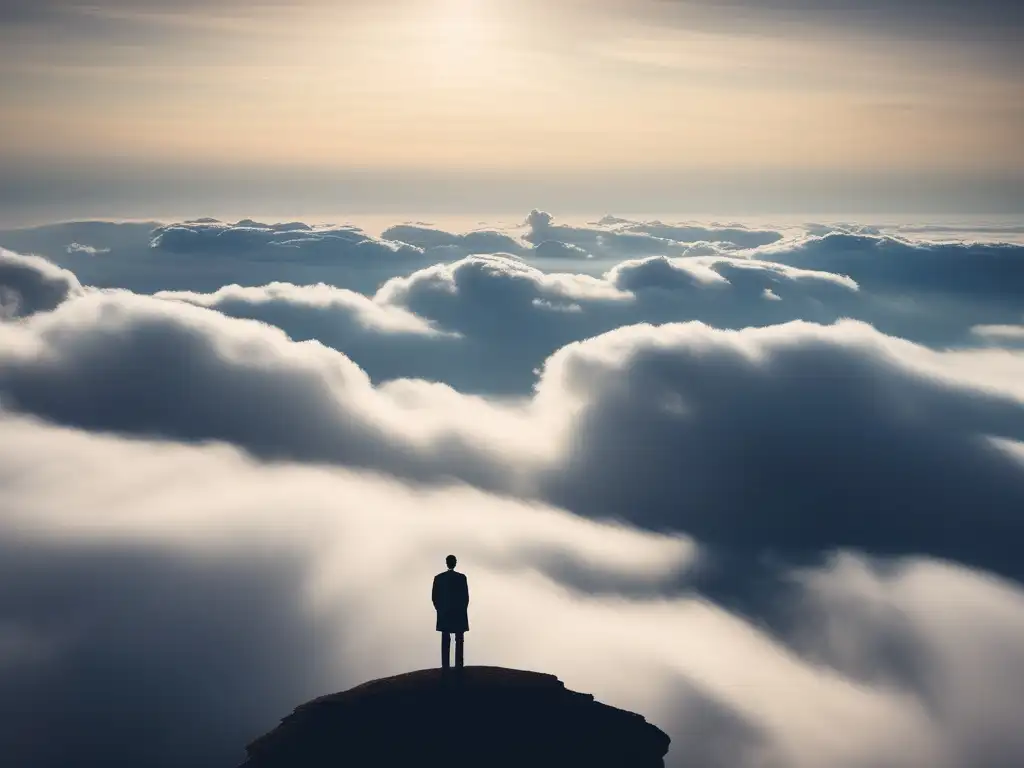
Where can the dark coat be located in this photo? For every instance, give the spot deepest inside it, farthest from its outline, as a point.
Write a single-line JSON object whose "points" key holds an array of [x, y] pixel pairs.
{"points": [[451, 600]]}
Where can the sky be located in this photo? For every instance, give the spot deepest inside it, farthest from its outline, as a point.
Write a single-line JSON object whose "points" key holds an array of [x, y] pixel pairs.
{"points": [[309, 107]]}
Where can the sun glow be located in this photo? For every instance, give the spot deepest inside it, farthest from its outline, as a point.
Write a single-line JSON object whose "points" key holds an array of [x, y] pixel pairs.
{"points": [[458, 22], [459, 34]]}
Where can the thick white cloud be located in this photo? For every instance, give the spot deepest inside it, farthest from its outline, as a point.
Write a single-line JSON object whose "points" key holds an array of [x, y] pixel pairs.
{"points": [[542, 238], [514, 315], [928, 291], [293, 238], [207, 254], [117, 361], [477, 241], [738, 236], [318, 300], [187, 597], [748, 276], [992, 271], [741, 438], [621, 238], [387, 341], [931, 628], [30, 284], [794, 438], [747, 528]]}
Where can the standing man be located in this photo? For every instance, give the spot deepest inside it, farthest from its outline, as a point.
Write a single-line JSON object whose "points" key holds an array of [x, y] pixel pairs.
{"points": [[451, 601]]}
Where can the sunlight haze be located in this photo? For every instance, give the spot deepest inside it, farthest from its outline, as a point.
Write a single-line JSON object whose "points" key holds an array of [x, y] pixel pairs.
{"points": [[481, 92]]}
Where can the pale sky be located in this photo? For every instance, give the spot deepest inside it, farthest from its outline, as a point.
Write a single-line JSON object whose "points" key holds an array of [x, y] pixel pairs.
{"points": [[489, 104]]}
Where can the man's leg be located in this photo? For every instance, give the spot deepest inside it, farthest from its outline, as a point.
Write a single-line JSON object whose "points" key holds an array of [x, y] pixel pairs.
{"points": [[446, 650], [459, 637]]}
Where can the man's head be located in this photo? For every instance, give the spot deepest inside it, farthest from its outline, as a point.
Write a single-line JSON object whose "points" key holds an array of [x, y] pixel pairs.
{"points": [[450, 561]]}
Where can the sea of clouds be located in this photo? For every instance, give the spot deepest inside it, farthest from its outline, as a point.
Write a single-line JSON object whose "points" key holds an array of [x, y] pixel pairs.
{"points": [[763, 485]]}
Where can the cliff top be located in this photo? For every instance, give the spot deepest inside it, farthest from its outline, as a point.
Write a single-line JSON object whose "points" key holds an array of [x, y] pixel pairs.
{"points": [[486, 717]]}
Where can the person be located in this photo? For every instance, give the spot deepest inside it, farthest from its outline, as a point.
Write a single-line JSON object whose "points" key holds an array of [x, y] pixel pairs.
{"points": [[450, 596]]}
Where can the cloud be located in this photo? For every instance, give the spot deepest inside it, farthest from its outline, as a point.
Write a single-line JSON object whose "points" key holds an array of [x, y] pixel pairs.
{"points": [[747, 532], [820, 230], [741, 237], [200, 612], [113, 255], [512, 307], [479, 241], [1011, 335], [966, 229], [792, 439], [187, 617], [457, 292], [30, 284], [740, 438], [515, 315], [364, 312], [613, 238], [441, 322], [511, 315], [115, 361], [387, 341], [746, 276], [206, 254], [89, 250], [140, 656], [552, 249], [620, 238], [927, 627], [285, 240], [992, 271], [931, 292], [495, 310]]}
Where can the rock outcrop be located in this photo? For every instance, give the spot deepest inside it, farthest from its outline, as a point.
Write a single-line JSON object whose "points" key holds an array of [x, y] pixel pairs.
{"points": [[481, 717]]}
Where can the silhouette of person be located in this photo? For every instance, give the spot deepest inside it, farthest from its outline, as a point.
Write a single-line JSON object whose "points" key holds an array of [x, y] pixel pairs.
{"points": [[450, 596]]}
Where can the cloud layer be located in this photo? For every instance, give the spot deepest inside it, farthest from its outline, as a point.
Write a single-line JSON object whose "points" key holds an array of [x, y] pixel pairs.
{"points": [[681, 477], [29, 284], [192, 611]]}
